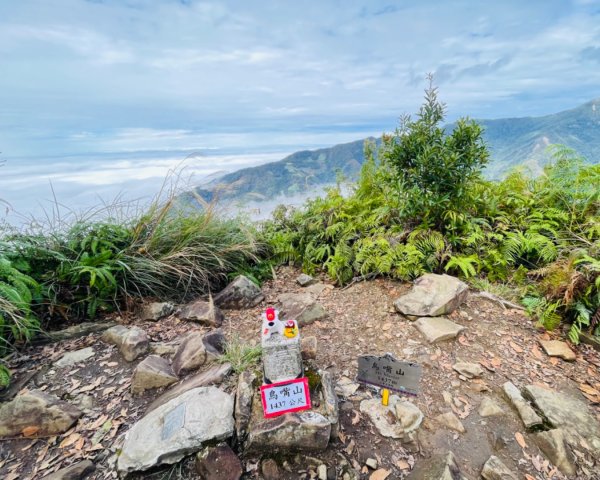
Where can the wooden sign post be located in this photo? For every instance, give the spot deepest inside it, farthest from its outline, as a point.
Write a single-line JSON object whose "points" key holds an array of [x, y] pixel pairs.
{"points": [[389, 374]]}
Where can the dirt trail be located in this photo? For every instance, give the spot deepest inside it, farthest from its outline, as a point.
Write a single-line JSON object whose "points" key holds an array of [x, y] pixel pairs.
{"points": [[361, 321]]}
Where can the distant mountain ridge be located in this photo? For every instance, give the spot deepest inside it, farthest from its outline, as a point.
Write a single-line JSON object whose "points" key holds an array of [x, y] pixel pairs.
{"points": [[512, 142]]}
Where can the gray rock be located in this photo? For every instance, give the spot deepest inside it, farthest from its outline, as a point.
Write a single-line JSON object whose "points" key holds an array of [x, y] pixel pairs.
{"points": [[74, 331], [176, 429], [301, 307], [569, 414], [591, 340], [270, 470], [553, 444], [433, 295], [345, 387], [243, 402], [438, 467], [77, 471], [309, 348], [38, 409], [469, 370], [155, 311], [84, 402], [214, 343], [152, 372], [556, 348], [166, 349], [218, 463], [322, 472], [451, 421], [528, 416], [438, 329], [329, 402], [305, 280], [77, 356], [489, 408], [494, 469], [371, 463], [239, 294], [194, 351], [317, 289], [307, 430], [205, 313], [131, 342], [398, 419], [212, 376]]}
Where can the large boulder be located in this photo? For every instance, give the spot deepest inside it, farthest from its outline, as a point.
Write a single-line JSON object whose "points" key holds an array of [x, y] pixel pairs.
{"points": [[205, 313], [155, 311], [197, 349], [239, 294], [152, 372], [432, 295], [131, 342], [301, 307], [176, 429], [38, 412]]}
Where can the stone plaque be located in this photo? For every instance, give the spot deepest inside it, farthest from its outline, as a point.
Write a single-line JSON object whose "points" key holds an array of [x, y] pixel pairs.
{"points": [[281, 353], [387, 372], [173, 421]]}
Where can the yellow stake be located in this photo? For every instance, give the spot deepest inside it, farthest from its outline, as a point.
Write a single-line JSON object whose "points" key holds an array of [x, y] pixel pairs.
{"points": [[385, 397]]}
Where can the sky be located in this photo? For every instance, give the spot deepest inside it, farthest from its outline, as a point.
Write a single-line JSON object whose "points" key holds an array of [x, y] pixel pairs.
{"points": [[89, 85]]}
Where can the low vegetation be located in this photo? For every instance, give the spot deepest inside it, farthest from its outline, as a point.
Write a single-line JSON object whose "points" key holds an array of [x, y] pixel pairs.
{"points": [[422, 205]]}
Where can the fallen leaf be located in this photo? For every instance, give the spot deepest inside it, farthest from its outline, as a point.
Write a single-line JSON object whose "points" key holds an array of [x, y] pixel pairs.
{"points": [[496, 362], [554, 361], [588, 389], [30, 431], [386, 327], [79, 444], [537, 353], [342, 437], [70, 440], [516, 347], [520, 440], [356, 417], [529, 477], [380, 474]]}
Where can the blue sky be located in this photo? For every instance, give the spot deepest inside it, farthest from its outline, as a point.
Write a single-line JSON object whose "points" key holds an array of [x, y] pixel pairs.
{"points": [[86, 77]]}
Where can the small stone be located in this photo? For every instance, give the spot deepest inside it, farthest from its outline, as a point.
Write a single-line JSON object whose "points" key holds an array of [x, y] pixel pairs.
{"points": [[494, 469], [301, 307], [489, 408], [447, 397], [239, 294], [218, 463], [390, 421], [270, 469], [77, 356], [528, 416], [45, 413], [438, 329], [409, 415], [371, 463], [322, 472], [77, 471], [305, 280], [450, 420], [432, 295], [205, 313], [152, 372], [165, 349], [469, 370], [193, 353], [317, 289], [132, 342], [556, 348], [155, 311], [346, 387], [85, 402], [438, 467], [552, 444], [309, 348], [331, 473]]}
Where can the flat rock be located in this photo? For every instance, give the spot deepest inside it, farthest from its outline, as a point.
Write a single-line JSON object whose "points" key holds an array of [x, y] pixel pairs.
{"points": [[166, 349], [556, 348], [451, 421], [218, 463], [553, 445], [205, 313], [37, 410], [346, 387], [74, 331], [155, 311], [317, 289], [301, 307], [438, 329], [197, 349], [77, 356], [177, 428], [305, 280], [433, 295], [131, 342], [528, 415], [77, 471], [568, 413], [469, 370], [494, 469], [489, 408], [239, 294], [213, 376], [152, 372], [398, 419], [438, 467], [309, 348]]}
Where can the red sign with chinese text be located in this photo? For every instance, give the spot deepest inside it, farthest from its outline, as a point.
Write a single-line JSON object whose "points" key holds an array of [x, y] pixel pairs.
{"points": [[285, 397]]}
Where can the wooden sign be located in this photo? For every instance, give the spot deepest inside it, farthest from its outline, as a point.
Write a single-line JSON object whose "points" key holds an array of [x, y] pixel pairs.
{"points": [[387, 372], [285, 397]]}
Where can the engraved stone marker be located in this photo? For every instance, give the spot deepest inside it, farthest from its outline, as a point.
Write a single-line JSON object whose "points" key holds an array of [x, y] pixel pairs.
{"points": [[387, 372], [173, 421], [282, 358]]}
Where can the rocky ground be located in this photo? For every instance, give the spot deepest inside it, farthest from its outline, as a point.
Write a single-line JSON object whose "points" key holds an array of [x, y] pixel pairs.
{"points": [[491, 398]]}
